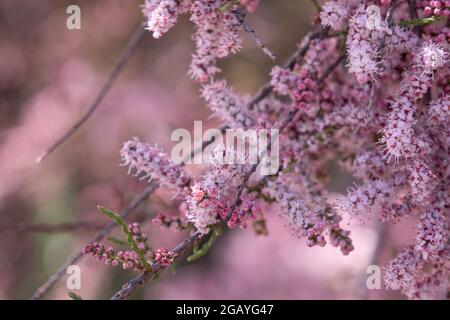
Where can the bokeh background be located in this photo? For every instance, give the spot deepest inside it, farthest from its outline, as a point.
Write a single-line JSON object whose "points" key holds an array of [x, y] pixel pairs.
{"points": [[48, 76]]}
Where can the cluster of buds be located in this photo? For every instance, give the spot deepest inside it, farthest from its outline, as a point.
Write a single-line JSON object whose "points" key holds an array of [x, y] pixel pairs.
{"points": [[153, 163], [439, 35], [435, 7], [283, 80], [341, 238], [128, 259], [306, 91], [131, 259], [247, 211], [172, 223], [163, 257], [139, 236]]}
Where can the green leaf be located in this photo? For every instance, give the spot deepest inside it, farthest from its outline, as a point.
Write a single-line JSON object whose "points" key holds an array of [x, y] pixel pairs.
{"points": [[74, 296], [118, 219], [173, 267], [117, 241], [420, 22], [195, 247], [227, 6], [198, 253]]}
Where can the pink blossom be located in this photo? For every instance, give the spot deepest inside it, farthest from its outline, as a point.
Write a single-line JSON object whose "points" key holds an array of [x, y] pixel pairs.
{"points": [[150, 160], [164, 257]]}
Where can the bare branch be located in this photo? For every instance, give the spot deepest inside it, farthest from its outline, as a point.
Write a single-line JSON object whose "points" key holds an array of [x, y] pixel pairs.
{"points": [[240, 16], [80, 226], [266, 89], [50, 228], [330, 69], [121, 62]]}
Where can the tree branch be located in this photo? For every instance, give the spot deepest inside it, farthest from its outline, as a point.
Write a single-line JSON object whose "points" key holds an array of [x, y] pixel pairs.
{"points": [[240, 16], [50, 228], [121, 62], [266, 89], [83, 226]]}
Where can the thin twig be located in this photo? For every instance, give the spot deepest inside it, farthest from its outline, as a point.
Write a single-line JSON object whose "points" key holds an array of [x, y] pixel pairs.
{"points": [[107, 229], [82, 226], [330, 69], [267, 88], [121, 62], [50, 228], [240, 16]]}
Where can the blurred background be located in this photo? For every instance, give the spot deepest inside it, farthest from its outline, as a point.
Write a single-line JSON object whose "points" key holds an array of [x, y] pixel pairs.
{"points": [[48, 77]]}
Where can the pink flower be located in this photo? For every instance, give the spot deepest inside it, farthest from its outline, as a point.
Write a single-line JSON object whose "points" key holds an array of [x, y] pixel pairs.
{"points": [[197, 194], [153, 163], [162, 17], [335, 14], [164, 257]]}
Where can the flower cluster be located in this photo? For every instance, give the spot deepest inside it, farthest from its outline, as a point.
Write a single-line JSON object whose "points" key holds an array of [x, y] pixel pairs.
{"points": [[217, 28], [248, 211], [335, 14], [143, 158], [132, 259], [435, 7], [227, 105], [390, 101], [128, 259], [162, 15], [363, 45], [138, 236], [164, 257], [407, 274], [313, 218], [283, 81], [211, 197]]}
